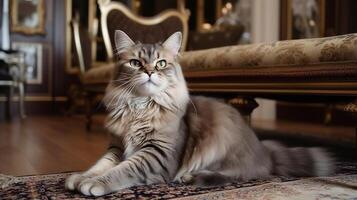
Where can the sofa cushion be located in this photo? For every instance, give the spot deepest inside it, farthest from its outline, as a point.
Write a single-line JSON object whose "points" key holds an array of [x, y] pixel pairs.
{"points": [[99, 73], [282, 53]]}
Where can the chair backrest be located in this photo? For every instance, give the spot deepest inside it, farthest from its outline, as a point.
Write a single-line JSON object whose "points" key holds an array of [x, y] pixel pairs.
{"points": [[82, 44], [115, 15]]}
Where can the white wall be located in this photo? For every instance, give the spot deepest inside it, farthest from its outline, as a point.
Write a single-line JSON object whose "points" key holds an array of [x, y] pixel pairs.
{"points": [[5, 35], [265, 28], [266, 20]]}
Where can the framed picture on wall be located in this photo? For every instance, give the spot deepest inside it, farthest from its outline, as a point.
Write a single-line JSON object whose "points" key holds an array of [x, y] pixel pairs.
{"points": [[28, 16], [302, 19], [33, 60]]}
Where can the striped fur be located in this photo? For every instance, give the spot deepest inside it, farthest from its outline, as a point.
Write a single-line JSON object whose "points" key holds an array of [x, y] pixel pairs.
{"points": [[160, 134]]}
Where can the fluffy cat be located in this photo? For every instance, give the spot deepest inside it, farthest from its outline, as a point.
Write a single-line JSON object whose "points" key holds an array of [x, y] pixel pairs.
{"points": [[159, 136]]}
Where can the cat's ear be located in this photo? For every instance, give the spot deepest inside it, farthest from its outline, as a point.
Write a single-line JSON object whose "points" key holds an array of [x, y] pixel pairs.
{"points": [[173, 43], [122, 40]]}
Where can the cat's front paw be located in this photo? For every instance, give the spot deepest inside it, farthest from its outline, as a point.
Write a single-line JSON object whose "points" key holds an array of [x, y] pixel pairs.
{"points": [[73, 181], [187, 178], [93, 187]]}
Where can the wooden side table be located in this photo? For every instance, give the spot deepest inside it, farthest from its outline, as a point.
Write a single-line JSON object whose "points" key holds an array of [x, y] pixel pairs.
{"points": [[16, 62]]}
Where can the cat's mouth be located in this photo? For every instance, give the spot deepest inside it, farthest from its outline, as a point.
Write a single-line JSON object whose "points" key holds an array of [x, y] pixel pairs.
{"points": [[147, 80], [148, 88], [150, 81], [149, 84]]}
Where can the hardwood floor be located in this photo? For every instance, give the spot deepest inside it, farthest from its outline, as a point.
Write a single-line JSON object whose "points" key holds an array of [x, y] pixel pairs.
{"points": [[53, 144], [48, 144]]}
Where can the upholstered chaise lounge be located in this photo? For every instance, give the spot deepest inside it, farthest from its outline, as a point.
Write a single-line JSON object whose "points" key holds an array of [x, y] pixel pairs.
{"points": [[321, 69], [321, 66]]}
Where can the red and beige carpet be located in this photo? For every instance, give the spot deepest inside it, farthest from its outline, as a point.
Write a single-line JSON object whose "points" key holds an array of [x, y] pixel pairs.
{"points": [[343, 185]]}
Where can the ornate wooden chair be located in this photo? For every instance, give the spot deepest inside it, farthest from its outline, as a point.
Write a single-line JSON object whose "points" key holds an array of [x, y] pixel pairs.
{"points": [[114, 16], [12, 75], [6, 86], [92, 79]]}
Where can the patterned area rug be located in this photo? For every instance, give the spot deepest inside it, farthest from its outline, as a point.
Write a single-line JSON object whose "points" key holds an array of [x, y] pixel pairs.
{"points": [[343, 185]]}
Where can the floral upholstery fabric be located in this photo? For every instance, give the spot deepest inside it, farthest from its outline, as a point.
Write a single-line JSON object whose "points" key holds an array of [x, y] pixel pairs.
{"points": [[276, 58], [282, 53]]}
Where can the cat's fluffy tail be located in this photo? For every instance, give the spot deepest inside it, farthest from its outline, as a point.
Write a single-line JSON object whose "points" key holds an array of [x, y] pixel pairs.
{"points": [[299, 161], [206, 178], [290, 162]]}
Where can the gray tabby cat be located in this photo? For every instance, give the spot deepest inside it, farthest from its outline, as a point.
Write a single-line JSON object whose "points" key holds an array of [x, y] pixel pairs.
{"points": [[160, 136]]}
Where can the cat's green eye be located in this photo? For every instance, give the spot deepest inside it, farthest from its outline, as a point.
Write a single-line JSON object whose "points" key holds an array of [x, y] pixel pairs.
{"points": [[161, 64], [135, 63]]}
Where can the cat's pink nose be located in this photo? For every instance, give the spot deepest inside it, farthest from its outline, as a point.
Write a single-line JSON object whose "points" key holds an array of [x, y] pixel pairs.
{"points": [[149, 72]]}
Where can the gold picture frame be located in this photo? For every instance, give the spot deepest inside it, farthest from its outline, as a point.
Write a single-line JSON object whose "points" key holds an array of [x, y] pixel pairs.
{"points": [[298, 26], [33, 60], [28, 16]]}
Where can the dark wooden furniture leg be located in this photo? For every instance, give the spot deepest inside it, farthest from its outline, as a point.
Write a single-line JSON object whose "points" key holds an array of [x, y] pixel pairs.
{"points": [[352, 107], [89, 110], [328, 114], [245, 105], [22, 100], [8, 103]]}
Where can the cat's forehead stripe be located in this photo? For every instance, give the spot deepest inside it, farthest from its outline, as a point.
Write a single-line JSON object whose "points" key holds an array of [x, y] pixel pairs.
{"points": [[151, 52], [143, 50], [148, 53]]}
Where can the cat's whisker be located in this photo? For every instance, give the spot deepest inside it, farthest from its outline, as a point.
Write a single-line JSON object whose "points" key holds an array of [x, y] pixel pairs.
{"points": [[194, 107], [125, 73], [117, 95], [124, 83], [120, 79], [127, 90]]}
